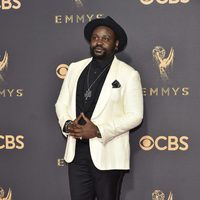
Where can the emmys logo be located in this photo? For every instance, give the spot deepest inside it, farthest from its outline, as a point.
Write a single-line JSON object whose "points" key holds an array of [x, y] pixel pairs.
{"points": [[7, 92], [76, 19], [61, 70], [148, 2], [3, 66], [162, 62], [79, 3], [164, 143], [2, 194], [11, 92], [8, 4], [159, 195], [166, 91]]}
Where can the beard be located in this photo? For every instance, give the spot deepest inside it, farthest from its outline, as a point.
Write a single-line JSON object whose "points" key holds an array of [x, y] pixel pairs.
{"points": [[99, 52]]}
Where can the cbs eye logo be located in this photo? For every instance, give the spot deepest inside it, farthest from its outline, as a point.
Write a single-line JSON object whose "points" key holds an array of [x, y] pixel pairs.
{"points": [[164, 143], [148, 2], [10, 4], [61, 70]]}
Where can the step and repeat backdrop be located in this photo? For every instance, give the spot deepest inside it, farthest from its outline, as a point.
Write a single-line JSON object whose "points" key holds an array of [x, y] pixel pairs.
{"points": [[39, 39]]}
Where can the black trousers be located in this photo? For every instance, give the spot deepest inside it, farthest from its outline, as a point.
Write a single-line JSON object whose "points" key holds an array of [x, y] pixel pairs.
{"points": [[87, 182]]}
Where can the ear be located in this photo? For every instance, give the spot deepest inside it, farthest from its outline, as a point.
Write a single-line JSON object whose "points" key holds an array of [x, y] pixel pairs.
{"points": [[116, 45]]}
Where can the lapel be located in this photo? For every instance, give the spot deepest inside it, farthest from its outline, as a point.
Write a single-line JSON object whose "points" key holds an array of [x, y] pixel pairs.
{"points": [[106, 89]]}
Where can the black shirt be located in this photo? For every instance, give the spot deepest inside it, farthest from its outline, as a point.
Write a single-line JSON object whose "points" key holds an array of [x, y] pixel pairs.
{"points": [[93, 77]]}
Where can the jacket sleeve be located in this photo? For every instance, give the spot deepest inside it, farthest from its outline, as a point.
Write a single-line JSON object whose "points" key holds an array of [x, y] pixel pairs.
{"points": [[62, 103], [133, 111]]}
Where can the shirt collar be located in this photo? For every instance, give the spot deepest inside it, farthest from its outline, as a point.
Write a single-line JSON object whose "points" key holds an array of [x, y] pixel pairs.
{"points": [[102, 63]]}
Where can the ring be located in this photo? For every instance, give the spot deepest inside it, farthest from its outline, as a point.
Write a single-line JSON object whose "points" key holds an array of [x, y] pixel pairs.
{"points": [[81, 138]]}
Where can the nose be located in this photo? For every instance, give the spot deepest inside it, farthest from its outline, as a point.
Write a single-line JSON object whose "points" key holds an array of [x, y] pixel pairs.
{"points": [[99, 41]]}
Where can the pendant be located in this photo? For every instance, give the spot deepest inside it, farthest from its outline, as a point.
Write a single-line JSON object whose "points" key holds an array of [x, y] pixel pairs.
{"points": [[88, 94]]}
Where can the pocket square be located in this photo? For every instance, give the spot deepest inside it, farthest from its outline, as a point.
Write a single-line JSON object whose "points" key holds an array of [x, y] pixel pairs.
{"points": [[116, 84]]}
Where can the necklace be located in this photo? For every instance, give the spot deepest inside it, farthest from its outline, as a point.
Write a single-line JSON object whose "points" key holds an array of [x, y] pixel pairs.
{"points": [[88, 92]]}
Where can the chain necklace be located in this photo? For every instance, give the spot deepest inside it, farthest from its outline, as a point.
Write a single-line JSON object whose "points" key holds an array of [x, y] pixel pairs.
{"points": [[88, 92]]}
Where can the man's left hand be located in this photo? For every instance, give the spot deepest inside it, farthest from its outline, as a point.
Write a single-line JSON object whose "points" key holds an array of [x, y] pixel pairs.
{"points": [[87, 131]]}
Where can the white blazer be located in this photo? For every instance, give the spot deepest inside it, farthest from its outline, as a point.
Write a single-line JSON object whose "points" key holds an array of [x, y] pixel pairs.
{"points": [[117, 111]]}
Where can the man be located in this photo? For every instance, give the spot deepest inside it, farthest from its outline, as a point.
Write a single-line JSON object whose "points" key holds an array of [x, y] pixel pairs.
{"points": [[99, 102]]}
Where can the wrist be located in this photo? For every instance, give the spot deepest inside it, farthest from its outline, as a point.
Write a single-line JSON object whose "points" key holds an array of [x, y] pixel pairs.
{"points": [[66, 126]]}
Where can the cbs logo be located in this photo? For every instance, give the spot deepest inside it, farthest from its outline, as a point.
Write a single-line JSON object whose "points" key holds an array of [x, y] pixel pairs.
{"points": [[61, 71], [11, 142], [10, 4], [164, 143], [148, 2], [61, 162]]}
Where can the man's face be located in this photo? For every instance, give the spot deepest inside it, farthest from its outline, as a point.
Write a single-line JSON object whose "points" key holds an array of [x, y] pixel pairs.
{"points": [[103, 42]]}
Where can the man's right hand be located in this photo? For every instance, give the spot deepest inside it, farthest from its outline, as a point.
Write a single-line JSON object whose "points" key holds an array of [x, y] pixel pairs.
{"points": [[74, 127]]}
